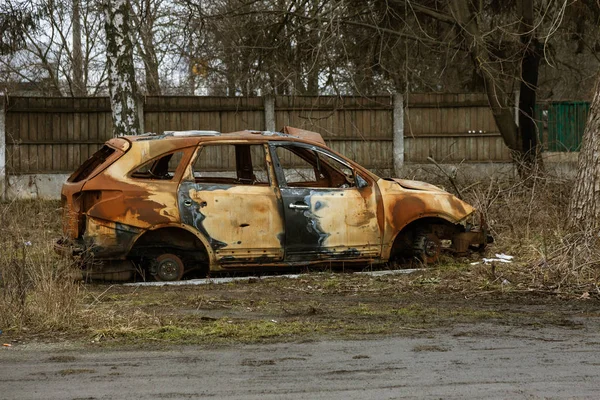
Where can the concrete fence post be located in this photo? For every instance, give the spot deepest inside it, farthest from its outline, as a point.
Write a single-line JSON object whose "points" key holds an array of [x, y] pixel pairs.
{"points": [[3, 173], [398, 127], [269, 102], [140, 109]]}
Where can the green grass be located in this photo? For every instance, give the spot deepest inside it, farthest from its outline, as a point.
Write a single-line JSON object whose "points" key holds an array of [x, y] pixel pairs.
{"points": [[220, 330]]}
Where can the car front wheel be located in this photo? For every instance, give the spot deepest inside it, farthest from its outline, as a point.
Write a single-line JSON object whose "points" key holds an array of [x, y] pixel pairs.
{"points": [[427, 247]]}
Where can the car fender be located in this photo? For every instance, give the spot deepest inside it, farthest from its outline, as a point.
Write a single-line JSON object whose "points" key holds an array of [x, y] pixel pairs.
{"points": [[190, 229]]}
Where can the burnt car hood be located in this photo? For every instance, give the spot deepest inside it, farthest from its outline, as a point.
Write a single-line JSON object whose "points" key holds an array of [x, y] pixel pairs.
{"points": [[417, 185], [407, 201]]}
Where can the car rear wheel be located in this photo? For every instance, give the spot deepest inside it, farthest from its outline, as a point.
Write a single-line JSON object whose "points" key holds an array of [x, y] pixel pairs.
{"points": [[169, 267], [427, 247]]}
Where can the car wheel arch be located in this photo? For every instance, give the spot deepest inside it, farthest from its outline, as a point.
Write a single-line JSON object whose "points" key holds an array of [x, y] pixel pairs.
{"points": [[418, 224], [176, 235]]}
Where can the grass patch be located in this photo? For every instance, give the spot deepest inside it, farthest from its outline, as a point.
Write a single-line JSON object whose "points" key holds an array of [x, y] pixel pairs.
{"points": [[221, 330]]}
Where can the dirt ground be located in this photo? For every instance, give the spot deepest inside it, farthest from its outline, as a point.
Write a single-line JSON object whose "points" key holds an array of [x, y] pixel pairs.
{"points": [[313, 306], [430, 334]]}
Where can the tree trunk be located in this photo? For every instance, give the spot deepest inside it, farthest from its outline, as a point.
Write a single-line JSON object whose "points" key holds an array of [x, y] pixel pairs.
{"points": [[191, 79], [121, 74], [584, 207], [79, 88], [527, 134], [521, 140], [530, 63], [151, 68], [147, 50], [497, 97]]}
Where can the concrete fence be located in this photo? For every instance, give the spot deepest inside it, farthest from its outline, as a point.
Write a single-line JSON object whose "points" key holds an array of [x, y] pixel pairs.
{"points": [[43, 139]]}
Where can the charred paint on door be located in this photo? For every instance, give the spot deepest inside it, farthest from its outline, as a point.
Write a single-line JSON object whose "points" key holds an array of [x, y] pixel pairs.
{"points": [[336, 223], [191, 211], [243, 223]]}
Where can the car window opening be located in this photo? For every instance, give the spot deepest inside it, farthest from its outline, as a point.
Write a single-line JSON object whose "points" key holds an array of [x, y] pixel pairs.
{"points": [[95, 161], [162, 168], [304, 167], [231, 164]]}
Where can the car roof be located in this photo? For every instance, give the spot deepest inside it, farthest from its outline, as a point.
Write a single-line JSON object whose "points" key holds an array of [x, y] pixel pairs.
{"points": [[196, 136]]}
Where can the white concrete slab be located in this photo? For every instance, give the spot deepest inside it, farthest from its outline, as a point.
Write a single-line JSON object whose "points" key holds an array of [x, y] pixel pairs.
{"points": [[35, 186], [217, 281]]}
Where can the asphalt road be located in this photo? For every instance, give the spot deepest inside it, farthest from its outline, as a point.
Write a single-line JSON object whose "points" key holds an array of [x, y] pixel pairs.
{"points": [[470, 361]]}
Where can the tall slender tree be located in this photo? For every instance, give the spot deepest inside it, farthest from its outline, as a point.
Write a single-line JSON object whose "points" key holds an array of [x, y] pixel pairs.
{"points": [[79, 88], [121, 72], [144, 15]]}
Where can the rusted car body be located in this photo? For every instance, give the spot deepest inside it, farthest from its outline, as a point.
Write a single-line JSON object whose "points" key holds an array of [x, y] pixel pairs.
{"points": [[168, 204]]}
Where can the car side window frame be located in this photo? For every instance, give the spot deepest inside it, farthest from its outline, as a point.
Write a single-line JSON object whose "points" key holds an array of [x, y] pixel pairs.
{"points": [[280, 173], [179, 172], [268, 164]]}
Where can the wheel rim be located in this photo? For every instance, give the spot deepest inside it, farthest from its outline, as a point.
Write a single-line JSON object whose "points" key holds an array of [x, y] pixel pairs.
{"points": [[431, 247], [170, 268]]}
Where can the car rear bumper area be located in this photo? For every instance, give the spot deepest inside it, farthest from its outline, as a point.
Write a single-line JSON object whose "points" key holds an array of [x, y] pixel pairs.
{"points": [[102, 240], [99, 270]]}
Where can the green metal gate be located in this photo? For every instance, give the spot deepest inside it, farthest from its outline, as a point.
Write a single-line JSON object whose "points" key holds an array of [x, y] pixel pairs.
{"points": [[564, 123]]}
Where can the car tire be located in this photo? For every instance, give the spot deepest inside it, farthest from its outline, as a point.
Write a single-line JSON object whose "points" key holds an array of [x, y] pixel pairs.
{"points": [[169, 267], [427, 247]]}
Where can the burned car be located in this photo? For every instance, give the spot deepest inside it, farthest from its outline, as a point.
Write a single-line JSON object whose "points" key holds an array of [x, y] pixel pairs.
{"points": [[168, 204]]}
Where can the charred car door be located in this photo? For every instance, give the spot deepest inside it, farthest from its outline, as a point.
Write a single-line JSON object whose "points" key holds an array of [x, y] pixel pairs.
{"points": [[330, 210], [228, 196]]}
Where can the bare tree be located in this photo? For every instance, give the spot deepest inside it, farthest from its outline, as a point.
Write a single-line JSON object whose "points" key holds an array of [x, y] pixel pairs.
{"points": [[521, 139], [145, 16], [79, 88], [287, 55], [357, 47], [584, 208], [121, 73], [65, 54], [15, 20]]}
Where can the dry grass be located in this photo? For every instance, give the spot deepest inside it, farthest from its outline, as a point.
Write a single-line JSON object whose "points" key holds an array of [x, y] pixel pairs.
{"points": [[38, 294], [528, 220], [37, 290]]}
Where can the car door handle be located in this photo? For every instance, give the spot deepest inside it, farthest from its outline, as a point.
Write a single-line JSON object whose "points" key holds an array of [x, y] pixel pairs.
{"points": [[299, 206]]}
